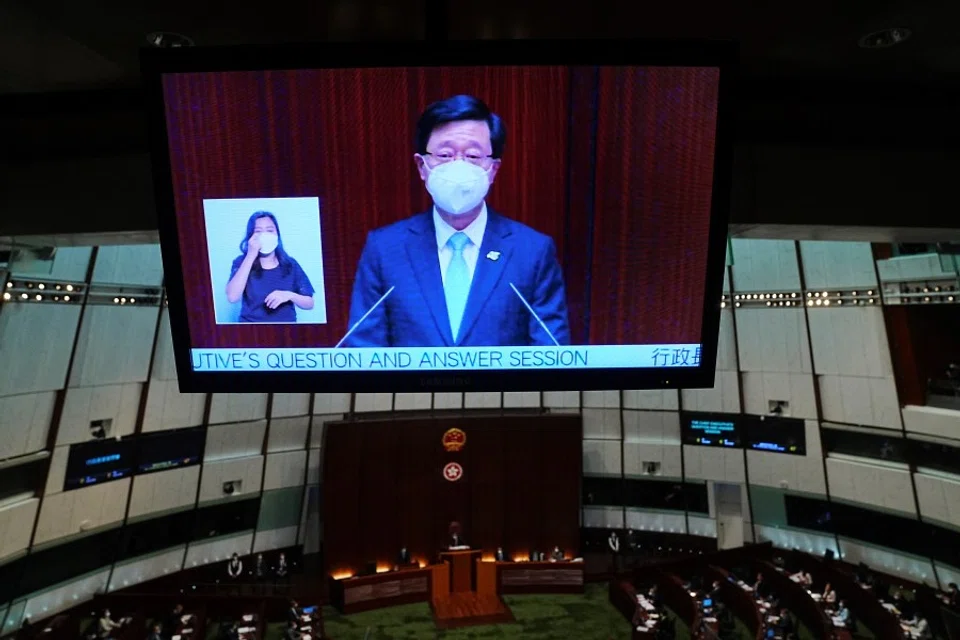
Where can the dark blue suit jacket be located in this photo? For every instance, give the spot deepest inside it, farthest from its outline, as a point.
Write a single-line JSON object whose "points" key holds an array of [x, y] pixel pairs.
{"points": [[404, 255]]}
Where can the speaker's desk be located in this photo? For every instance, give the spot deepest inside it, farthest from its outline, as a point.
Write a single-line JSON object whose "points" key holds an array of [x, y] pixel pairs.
{"points": [[463, 569]]}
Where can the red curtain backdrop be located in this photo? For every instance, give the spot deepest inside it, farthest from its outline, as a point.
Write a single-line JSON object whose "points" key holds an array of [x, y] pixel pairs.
{"points": [[615, 165], [383, 487], [654, 180]]}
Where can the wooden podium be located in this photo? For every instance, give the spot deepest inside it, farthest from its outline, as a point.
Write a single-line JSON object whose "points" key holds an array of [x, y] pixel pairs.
{"points": [[463, 569]]}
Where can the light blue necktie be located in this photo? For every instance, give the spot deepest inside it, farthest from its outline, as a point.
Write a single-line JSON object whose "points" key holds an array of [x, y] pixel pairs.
{"points": [[456, 286]]}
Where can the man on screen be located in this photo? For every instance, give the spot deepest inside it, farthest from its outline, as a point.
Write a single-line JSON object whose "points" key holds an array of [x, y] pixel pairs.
{"points": [[460, 274]]}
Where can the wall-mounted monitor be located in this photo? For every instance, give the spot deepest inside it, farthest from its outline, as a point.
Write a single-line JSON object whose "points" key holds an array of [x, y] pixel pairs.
{"points": [[479, 216], [710, 429], [99, 461], [775, 434], [170, 449]]}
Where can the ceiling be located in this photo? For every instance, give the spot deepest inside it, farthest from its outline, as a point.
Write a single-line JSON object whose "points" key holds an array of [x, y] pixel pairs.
{"points": [[70, 104], [57, 44]]}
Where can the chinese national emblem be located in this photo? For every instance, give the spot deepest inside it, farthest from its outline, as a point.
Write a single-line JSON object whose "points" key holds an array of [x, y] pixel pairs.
{"points": [[454, 439], [452, 472]]}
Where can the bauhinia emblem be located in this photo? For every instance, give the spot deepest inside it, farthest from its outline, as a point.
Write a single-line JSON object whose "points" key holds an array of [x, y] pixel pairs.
{"points": [[452, 472], [454, 439]]}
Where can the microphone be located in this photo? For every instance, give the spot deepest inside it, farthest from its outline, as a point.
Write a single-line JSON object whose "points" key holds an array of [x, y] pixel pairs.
{"points": [[533, 313], [364, 316]]}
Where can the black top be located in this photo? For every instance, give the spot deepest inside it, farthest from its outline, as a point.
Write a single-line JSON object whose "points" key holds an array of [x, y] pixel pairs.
{"points": [[287, 276]]}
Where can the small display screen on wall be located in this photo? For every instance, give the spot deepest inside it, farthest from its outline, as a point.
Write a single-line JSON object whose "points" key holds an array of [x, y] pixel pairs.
{"points": [[99, 461], [775, 434], [710, 429]]}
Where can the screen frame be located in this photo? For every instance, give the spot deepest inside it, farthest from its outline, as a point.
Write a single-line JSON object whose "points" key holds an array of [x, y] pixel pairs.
{"points": [[155, 63]]}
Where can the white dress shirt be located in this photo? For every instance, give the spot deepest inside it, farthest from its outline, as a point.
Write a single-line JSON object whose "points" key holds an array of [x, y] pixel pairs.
{"points": [[474, 231]]}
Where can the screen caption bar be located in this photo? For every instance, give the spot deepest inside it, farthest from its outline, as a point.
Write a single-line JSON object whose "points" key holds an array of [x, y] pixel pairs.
{"points": [[448, 358]]}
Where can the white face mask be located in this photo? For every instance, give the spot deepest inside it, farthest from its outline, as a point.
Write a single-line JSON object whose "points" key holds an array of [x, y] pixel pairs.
{"points": [[458, 186], [268, 242]]}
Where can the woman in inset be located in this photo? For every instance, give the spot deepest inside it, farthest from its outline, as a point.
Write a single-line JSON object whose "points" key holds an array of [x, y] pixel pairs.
{"points": [[271, 284]]}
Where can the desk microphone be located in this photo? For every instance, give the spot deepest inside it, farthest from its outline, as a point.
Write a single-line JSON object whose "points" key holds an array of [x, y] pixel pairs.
{"points": [[364, 316], [532, 312]]}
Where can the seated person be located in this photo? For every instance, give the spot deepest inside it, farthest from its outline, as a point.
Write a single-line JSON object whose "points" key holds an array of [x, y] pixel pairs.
{"points": [[953, 595], [173, 621], [234, 567], [155, 633], [231, 631], [908, 611], [403, 558], [653, 595], [499, 556], [291, 632], [843, 614], [714, 592], [456, 541], [829, 596], [760, 587], [281, 570], [785, 625], [107, 625], [923, 629], [556, 555], [293, 613]]}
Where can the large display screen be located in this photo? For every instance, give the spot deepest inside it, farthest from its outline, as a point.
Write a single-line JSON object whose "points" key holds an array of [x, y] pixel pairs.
{"points": [[482, 216], [710, 429]]}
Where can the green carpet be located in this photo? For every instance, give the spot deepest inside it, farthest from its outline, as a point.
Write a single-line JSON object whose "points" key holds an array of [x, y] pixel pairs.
{"points": [[539, 617]]}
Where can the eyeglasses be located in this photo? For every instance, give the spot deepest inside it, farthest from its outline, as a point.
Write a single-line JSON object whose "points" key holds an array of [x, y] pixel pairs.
{"points": [[446, 156]]}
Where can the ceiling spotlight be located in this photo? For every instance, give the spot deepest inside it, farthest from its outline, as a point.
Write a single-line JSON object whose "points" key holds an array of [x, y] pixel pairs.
{"points": [[168, 40], [884, 38], [39, 297], [116, 301], [41, 286], [723, 305], [6, 296], [69, 287], [24, 296], [66, 298], [9, 284]]}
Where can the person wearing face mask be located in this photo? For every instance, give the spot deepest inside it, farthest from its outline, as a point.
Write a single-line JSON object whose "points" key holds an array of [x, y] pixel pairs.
{"points": [[459, 274], [269, 284]]}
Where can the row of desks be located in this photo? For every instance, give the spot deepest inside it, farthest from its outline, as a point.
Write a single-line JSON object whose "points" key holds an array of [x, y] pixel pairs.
{"points": [[744, 604], [405, 586]]}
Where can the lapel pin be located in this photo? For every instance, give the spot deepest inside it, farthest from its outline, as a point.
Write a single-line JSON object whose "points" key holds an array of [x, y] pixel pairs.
{"points": [[493, 255]]}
